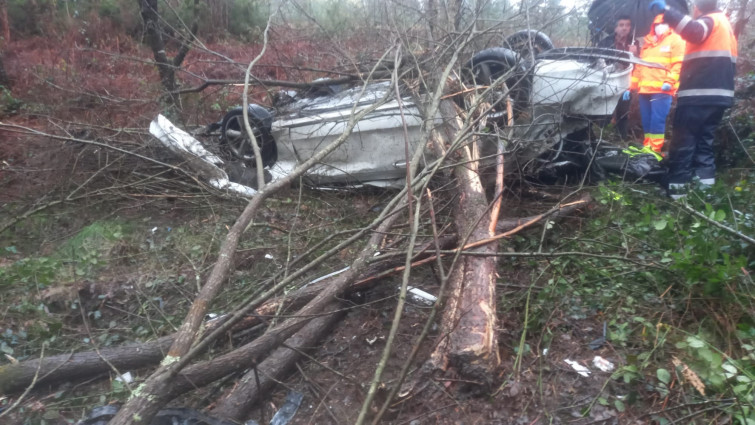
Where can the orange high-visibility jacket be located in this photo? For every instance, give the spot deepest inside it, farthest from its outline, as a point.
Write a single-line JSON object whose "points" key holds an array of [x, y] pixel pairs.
{"points": [[709, 67], [667, 50]]}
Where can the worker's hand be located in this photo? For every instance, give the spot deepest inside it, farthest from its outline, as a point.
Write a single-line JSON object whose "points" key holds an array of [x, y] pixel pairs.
{"points": [[657, 6], [666, 87], [626, 96]]}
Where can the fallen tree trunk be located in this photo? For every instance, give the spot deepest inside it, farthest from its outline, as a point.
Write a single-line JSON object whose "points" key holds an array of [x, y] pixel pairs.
{"points": [[80, 366], [251, 354], [231, 406], [246, 394], [560, 211], [84, 365], [468, 341]]}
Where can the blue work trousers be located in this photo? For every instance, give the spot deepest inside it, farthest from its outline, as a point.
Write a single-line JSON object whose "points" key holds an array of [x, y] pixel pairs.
{"points": [[691, 148], [654, 110]]}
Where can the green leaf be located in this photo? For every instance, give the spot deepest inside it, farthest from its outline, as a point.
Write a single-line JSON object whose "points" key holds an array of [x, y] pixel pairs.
{"points": [[663, 376], [730, 369], [705, 354], [660, 224], [720, 215], [695, 342], [619, 405]]}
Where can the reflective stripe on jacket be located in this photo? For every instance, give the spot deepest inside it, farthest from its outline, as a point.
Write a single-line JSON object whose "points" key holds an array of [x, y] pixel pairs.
{"points": [[707, 76], [667, 50]]}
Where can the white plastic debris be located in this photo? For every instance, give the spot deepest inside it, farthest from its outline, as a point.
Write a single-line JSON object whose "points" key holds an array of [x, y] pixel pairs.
{"points": [[578, 368], [126, 378], [545, 351], [154, 229], [602, 364], [198, 159], [421, 297], [337, 272], [269, 256]]}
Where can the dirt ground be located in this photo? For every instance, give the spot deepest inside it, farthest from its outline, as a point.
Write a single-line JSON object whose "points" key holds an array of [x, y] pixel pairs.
{"points": [[543, 389], [538, 387]]}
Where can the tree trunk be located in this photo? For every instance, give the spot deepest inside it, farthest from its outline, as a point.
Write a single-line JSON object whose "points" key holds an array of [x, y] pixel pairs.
{"points": [[238, 404], [4, 23], [166, 66], [4, 80], [742, 19], [468, 341], [80, 366], [154, 35]]}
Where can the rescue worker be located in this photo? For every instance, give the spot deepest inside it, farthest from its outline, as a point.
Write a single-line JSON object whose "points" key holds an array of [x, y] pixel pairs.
{"points": [[657, 86], [623, 39], [706, 89]]}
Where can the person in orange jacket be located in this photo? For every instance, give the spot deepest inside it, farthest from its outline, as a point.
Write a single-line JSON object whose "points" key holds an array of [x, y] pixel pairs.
{"points": [[657, 87]]}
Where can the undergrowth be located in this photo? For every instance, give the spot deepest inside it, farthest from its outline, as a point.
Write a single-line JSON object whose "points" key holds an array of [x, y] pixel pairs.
{"points": [[674, 290]]}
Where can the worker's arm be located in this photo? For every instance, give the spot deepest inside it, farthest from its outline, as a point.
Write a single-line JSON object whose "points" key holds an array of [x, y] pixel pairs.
{"points": [[693, 31], [634, 81], [677, 56]]}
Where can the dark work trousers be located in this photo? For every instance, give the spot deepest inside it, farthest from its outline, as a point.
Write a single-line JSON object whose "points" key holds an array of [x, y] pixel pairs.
{"points": [[621, 114], [691, 148]]}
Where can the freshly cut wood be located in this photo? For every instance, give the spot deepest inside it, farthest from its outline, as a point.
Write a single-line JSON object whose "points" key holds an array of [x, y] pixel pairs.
{"points": [[246, 393], [468, 342], [560, 211]]}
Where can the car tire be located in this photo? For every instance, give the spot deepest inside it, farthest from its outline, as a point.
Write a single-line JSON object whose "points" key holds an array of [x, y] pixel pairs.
{"points": [[528, 44], [233, 135], [491, 64]]}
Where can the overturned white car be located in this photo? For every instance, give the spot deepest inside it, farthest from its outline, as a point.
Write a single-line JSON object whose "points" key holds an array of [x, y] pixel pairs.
{"points": [[557, 93]]}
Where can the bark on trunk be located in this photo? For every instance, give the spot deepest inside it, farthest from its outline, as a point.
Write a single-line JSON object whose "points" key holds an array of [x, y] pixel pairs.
{"points": [[80, 366], [151, 18], [238, 404], [4, 80], [468, 340], [4, 23]]}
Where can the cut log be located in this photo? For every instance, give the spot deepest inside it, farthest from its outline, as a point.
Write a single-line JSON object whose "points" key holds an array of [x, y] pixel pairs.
{"points": [[85, 365], [468, 341], [246, 393], [165, 386], [80, 366]]}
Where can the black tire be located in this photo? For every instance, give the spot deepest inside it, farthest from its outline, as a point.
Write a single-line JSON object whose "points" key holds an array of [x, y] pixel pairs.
{"points": [[528, 44], [233, 135], [491, 64]]}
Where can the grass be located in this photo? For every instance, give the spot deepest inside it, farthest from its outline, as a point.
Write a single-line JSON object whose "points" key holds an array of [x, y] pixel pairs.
{"points": [[676, 298]]}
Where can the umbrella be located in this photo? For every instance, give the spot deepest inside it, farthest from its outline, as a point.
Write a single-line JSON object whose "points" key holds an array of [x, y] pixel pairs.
{"points": [[603, 15]]}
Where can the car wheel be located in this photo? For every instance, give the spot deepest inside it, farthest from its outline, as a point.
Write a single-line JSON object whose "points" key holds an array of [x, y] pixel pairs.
{"points": [[491, 64], [234, 137], [528, 44]]}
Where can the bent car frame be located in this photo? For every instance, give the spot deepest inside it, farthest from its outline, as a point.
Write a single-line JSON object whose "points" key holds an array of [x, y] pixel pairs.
{"points": [[557, 94]]}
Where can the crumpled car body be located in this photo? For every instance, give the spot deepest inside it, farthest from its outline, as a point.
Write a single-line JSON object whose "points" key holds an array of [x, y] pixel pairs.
{"points": [[374, 153], [566, 92], [562, 92]]}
